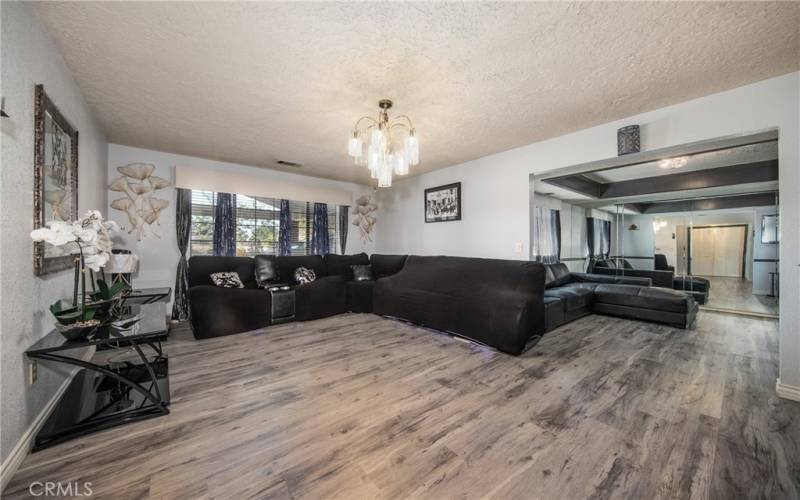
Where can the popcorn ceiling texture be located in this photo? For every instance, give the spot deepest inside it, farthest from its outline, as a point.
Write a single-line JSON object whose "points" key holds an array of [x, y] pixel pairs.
{"points": [[256, 82]]}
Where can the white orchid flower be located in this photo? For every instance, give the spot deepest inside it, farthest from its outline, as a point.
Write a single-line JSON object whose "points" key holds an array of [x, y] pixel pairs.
{"points": [[91, 233], [86, 236], [56, 235], [96, 261]]}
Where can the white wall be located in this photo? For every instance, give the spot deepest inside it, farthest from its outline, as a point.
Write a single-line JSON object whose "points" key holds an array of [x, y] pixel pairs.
{"points": [[633, 243], [30, 57], [158, 256], [495, 188]]}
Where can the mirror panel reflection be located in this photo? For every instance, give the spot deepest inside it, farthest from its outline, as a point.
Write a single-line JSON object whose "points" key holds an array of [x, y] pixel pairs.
{"points": [[717, 243]]}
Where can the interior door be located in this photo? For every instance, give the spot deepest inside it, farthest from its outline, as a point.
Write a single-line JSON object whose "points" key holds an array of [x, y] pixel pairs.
{"points": [[718, 251]]}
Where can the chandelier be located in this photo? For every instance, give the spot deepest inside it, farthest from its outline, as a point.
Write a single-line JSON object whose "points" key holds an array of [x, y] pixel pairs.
{"points": [[393, 144]]}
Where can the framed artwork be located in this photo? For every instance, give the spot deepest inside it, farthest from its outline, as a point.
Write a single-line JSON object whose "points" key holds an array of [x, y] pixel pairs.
{"points": [[55, 178], [443, 203]]}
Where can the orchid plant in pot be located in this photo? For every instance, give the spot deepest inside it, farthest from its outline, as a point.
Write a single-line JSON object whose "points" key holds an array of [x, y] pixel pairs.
{"points": [[91, 234]]}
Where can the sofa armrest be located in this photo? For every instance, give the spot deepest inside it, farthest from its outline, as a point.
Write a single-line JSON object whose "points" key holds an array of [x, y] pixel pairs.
{"points": [[617, 279]]}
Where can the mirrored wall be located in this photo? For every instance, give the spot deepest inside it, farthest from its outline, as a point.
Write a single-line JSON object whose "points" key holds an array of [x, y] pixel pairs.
{"points": [[705, 223]]}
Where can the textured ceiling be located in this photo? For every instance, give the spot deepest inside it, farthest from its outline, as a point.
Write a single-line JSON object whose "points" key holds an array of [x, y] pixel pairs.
{"points": [[257, 82]]}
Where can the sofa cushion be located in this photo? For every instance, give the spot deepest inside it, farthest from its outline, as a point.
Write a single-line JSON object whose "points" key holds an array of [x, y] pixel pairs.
{"points": [[609, 264], [573, 297], [266, 270], [323, 297], [556, 275], [691, 284], [224, 311], [386, 265], [339, 265], [661, 299], [288, 264], [359, 296], [553, 312], [201, 267]]}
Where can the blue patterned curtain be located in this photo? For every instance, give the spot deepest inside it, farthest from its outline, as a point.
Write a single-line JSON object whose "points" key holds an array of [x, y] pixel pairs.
{"points": [[320, 245], [285, 237], [225, 225], [183, 228], [344, 211]]}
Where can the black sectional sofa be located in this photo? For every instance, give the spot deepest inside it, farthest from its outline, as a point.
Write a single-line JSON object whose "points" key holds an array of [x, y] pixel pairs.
{"points": [[502, 303]]}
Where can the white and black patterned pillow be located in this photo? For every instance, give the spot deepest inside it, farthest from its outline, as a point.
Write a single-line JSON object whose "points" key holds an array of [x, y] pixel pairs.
{"points": [[303, 275], [227, 280]]}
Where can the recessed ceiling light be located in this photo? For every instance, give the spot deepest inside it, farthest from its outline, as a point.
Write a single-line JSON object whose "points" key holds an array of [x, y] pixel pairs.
{"points": [[670, 163]]}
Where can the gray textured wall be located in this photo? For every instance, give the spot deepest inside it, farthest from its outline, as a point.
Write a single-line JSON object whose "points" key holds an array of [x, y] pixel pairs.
{"points": [[29, 56]]}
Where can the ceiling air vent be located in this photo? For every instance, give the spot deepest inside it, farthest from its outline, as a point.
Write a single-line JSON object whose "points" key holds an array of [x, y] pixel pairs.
{"points": [[289, 164]]}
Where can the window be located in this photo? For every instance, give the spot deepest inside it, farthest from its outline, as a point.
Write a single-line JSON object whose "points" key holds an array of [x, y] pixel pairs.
{"points": [[257, 225]]}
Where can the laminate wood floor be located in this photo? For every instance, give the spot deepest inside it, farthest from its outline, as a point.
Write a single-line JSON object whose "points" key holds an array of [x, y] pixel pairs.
{"points": [[736, 294], [357, 406]]}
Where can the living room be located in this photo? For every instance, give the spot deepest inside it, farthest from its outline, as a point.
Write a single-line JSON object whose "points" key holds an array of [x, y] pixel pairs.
{"points": [[316, 250]]}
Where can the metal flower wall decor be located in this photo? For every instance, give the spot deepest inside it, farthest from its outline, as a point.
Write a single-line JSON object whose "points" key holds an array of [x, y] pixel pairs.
{"points": [[140, 203], [363, 217]]}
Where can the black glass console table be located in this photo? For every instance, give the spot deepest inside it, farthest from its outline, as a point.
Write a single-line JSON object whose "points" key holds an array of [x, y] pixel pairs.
{"points": [[126, 380]]}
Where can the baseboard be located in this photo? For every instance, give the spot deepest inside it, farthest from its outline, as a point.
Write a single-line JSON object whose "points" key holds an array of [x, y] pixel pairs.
{"points": [[23, 447], [787, 391]]}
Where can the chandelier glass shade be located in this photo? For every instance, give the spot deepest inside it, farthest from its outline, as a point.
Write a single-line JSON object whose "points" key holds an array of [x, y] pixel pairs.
{"points": [[385, 146]]}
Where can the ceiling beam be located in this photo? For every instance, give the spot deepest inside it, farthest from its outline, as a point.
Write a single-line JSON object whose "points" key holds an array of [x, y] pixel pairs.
{"points": [[578, 184], [692, 148], [761, 171], [717, 203]]}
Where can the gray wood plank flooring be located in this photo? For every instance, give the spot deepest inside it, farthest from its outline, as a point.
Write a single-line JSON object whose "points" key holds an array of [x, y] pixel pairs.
{"points": [[357, 406]]}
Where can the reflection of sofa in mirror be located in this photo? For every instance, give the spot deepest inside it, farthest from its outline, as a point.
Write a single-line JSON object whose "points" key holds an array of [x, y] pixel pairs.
{"points": [[661, 263], [698, 287]]}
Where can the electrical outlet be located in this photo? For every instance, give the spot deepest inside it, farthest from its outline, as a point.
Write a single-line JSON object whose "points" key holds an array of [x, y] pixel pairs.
{"points": [[33, 372], [518, 247]]}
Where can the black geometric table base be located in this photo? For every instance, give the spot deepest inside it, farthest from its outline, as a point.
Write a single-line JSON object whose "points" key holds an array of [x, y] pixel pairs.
{"points": [[101, 396]]}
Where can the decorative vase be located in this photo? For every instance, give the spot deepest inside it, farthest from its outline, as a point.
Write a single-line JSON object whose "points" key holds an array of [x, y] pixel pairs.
{"points": [[79, 330]]}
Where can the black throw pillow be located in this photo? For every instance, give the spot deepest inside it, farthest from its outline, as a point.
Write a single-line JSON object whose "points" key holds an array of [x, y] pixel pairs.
{"points": [[227, 280], [266, 270], [362, 272]]}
